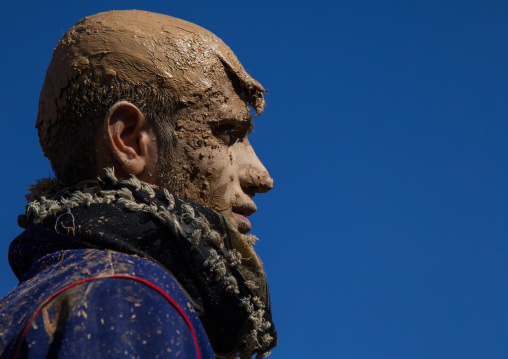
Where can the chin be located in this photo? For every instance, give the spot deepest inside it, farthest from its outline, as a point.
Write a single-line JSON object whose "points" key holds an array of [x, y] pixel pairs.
{"points": [[241, 223]]}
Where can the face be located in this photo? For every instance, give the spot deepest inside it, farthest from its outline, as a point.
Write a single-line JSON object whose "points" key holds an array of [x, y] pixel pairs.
{"points": [[213, 162]]}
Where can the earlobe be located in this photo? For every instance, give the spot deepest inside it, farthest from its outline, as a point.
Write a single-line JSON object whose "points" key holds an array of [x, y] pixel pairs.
{"points": [[126, 136]]}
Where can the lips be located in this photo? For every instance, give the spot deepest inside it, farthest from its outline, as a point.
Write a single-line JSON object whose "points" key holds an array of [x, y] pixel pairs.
{"points": [[240, 214]]}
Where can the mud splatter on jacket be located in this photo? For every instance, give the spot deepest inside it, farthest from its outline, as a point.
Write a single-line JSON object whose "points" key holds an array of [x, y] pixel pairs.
{"points": [[88, 303]]}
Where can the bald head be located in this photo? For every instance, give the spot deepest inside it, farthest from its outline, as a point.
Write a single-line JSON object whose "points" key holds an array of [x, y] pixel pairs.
{"points": [[158, 62]]}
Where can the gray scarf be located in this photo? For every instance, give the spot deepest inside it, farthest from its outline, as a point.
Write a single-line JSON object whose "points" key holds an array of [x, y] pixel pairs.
{"points": [[215, 265]]}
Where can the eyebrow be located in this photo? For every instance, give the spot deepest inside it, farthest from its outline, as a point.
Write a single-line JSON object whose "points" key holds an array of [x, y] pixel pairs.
{"points": [[244, 118]]}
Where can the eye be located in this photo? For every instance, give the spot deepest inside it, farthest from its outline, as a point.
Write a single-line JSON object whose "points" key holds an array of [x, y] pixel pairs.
{"points": [[227, 133]]}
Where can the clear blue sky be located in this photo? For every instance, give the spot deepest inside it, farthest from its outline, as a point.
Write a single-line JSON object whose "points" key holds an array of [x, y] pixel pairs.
{"points": [[386, 131]]}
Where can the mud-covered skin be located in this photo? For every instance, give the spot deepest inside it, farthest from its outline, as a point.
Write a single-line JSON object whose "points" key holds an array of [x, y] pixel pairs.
{"points": [[133, 47], [213, 162], [209, 89]]}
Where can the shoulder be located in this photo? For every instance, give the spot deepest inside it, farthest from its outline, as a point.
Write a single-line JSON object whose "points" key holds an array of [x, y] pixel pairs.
{"points": [[113, 303]]}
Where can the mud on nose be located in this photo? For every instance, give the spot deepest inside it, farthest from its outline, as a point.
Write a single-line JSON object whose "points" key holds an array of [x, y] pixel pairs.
{"points": [[257, 180]]}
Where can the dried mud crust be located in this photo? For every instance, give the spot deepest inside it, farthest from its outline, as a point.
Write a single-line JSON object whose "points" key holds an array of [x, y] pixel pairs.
{"points": [[137, 47]]}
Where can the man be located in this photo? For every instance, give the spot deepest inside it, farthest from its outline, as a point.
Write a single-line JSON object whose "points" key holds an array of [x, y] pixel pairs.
{"points": [[139, 248]]}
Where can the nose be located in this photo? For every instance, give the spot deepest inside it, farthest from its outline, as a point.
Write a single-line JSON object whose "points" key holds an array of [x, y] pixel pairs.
{"points": [[257, 180], [254, 178]]}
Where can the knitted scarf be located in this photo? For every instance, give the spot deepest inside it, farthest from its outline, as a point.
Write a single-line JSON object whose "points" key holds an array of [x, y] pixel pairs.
{"points": [[214, 264]]}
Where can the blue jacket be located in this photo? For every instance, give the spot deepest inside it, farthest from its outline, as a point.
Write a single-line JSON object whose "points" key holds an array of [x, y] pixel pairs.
{"points": [[93, 303]]}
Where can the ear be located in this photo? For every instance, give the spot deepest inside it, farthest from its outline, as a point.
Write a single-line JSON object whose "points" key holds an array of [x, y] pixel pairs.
{"points": [[128, 138]]}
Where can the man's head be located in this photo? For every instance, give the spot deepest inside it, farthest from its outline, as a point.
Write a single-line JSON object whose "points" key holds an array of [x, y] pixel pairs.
{"points": [[159, 98]]}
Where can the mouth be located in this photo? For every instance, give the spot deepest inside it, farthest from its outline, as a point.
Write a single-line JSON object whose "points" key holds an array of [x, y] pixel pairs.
{"points": [[240, 214]]}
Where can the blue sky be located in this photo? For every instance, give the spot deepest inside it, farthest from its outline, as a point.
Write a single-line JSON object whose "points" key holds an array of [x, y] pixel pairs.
{"points": [[386, 132]]}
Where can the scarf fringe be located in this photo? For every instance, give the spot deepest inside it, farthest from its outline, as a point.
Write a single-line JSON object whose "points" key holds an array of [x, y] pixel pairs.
{"points": [[41, 206]]}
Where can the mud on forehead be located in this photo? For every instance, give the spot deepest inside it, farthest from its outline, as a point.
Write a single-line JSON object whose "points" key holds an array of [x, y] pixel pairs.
{"points": [[142, 47]]}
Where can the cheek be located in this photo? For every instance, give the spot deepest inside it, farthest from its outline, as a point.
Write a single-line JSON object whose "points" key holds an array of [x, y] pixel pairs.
{"points": [[219, 178], [213, 161]]}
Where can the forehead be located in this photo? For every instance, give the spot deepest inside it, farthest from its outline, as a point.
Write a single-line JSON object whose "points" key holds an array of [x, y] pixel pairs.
{"points": [[221, 101]]}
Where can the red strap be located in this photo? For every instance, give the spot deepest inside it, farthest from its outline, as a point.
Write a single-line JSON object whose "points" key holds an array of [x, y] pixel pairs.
{"points": [[124, 276]]}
